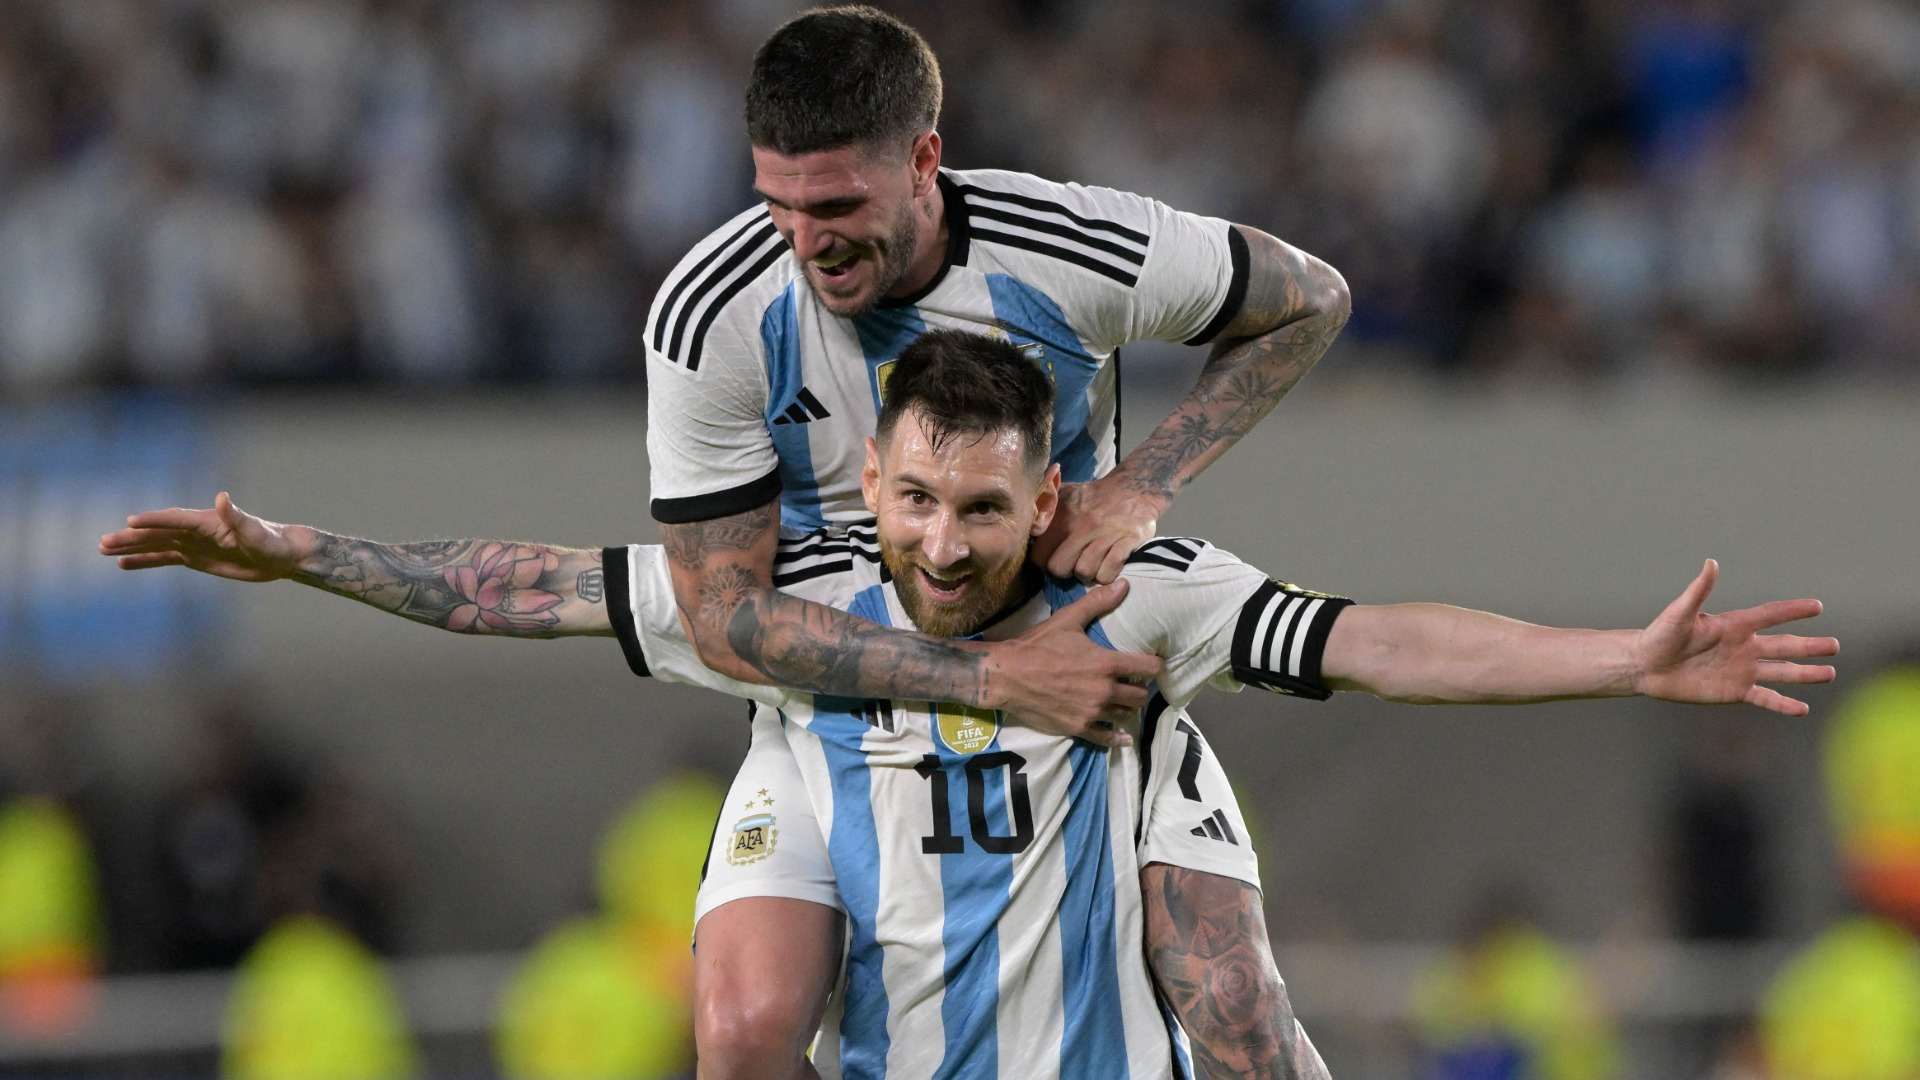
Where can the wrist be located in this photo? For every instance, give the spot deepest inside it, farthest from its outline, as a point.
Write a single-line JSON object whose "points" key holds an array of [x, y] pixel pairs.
{"points": [[307, 549]]}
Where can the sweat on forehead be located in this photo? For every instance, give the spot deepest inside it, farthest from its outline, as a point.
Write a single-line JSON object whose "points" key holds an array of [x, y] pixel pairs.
{"points": [[958, 382]]}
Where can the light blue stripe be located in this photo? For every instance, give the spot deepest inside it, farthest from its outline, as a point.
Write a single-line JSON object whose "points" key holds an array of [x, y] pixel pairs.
{"points": [[854, 848], [1094, 1046], [1030, 316], [799, 487], [977, 888], [884, 332]]}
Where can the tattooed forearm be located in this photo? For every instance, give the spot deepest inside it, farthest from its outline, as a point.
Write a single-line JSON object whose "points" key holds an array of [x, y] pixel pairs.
{"points": [[745, 628], [468, 586], [1207, 944], [1294, 307]]}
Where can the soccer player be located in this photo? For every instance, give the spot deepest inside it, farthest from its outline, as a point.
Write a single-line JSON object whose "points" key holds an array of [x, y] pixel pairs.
{"points": [[768, 352], [989, 874]]}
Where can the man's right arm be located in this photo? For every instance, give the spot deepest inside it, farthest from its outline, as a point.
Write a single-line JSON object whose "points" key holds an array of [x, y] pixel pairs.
{"points": [[1054, 677]]}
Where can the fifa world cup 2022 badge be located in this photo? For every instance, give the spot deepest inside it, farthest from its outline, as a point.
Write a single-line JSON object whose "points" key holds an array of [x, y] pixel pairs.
{"points": [[752, 841]]}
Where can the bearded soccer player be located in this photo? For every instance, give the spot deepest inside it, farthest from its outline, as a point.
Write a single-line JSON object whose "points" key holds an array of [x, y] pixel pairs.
{"points": [[988, 875], [768, 354]]}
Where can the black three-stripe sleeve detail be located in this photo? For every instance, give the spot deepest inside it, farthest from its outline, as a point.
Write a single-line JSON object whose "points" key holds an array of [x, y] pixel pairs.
{"points": [[1236, 288], [720, 301], [693, 273], [1190, 761], [1045, 206], [1066, 232], [808, 573], [1280, 637], [1169, 551], [751, 495], [613, 562], [1067, 255]]}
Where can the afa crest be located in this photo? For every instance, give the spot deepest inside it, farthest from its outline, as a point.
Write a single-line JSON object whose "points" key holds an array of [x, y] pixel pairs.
{"points": [[752, 840]]}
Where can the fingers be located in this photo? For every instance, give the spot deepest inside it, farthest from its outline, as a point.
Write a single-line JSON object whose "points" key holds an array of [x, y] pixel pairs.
{"points": [[1773, 701], [1795, 647], [1780, 671], [171, 518], [1107, 733], [1098, 601], [1104, 565], [1693, 599], [1775, 613], [151, 560], [1065, 560], [139, 541]]}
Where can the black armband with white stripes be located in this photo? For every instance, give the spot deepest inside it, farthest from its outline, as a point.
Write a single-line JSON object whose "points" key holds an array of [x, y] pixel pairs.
{"points": [[1279, 639]]}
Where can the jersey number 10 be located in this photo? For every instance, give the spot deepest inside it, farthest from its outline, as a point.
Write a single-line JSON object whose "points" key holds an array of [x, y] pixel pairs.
{"points": [[944, 840]]}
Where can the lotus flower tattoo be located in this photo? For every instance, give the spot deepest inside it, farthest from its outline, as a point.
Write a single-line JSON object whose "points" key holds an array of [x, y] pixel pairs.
{"points": [[497, 587]]}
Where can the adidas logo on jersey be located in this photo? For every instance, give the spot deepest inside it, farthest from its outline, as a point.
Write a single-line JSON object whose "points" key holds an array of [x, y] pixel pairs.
{"points": [[803, 411], [1216, 827]]}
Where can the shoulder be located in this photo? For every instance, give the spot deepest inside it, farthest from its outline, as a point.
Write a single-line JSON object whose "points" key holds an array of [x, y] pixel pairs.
{"points": [[829, 566], [732, 275], [1022, 217]]}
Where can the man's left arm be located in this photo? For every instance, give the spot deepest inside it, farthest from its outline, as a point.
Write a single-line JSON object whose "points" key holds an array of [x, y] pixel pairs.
{"points": [[1294, 306]]}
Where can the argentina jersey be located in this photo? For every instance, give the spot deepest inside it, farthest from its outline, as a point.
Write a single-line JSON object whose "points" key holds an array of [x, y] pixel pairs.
{"points": [[756, 390], [989, 874]]}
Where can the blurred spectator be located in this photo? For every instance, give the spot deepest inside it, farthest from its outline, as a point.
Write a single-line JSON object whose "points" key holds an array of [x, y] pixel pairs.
{"points": [[1512, 1004], [1873, 781], [310, 1001], [1847, 1007], [421, 190], [1721, 838]]}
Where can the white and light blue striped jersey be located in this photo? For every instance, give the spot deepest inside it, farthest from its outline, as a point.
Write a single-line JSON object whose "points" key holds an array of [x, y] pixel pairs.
{"points": [[990, 873], [754, 389]]}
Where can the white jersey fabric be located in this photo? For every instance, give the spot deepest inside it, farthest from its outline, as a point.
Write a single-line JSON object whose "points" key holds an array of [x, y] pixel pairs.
{"points": [[744, 364], [989, 873]]}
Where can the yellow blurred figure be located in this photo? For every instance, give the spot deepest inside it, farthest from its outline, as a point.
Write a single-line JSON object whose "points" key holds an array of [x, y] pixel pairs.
{"points": [[1514, 1005], [1848, 1008], [49, 919], [581, 1009], [311, 1003], [649, 870], [1873, 777]]}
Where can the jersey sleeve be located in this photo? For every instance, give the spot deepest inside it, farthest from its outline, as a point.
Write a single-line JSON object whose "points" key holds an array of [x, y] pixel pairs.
{"points": [[647, 623], [1215, 620], [709, 450], [1193, 281]]}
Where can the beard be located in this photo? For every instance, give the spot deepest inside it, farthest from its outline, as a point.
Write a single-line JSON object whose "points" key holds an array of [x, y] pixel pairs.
{"points": [[988, 593], [892, 261]]}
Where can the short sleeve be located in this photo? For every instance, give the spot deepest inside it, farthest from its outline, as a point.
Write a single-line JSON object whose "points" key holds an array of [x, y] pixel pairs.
{"points": [[647, 623], [1216, 620]]}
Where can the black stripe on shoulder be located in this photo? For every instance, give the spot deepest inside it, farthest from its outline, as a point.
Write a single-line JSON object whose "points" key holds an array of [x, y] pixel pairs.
{"points": [[1125, 254], [613, 562], [663, 311], [1066, 255], [1149, 726], [718, 285], [808, 573], [1177, 552], [718, 504], [725, 296], [1236, 289], [1050, 207]]}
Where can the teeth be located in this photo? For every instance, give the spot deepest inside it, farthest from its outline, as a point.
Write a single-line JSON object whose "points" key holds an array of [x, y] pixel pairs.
{"points": [[833, 261]]}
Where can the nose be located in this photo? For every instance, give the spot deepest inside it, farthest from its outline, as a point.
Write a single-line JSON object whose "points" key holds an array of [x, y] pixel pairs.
{"points": [[809, 240], [945, 543]]}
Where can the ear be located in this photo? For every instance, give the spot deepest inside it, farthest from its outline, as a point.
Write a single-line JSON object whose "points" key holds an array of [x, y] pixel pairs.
{"points": [[870, 478], [925, 161], [1046, 500]]}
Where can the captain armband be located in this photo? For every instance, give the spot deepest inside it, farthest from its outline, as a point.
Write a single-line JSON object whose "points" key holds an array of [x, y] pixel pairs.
{"points": [[1279, 639]]}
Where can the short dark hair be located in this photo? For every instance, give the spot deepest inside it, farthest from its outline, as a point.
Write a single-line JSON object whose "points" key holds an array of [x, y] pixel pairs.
{"points": [[841, 76], [962, 383]]}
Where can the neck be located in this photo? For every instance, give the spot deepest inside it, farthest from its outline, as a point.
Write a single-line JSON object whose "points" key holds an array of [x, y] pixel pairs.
{"points": [[1023, 589], [929, 243]]}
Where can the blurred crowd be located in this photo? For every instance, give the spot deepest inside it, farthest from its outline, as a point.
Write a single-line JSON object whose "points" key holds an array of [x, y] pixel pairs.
{"points": [[217, 191]]}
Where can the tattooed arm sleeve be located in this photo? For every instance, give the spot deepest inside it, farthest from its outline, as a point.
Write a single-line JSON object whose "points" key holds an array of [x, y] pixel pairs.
{"points": [[1294, 306], [1207, 945], [746, 629], [467, 586]]}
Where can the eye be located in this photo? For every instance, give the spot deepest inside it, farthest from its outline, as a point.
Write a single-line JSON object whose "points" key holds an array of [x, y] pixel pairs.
{"points": [[918, 498]]}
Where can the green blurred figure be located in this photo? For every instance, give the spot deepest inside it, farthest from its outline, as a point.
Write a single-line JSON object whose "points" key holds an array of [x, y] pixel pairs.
{"points": [[609, 998], [1514, 1005], [310, 1002], [50, 919], [1873, 779]]}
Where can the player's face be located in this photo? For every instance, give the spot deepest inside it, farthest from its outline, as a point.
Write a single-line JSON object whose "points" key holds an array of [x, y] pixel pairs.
{"points": [[955, 518], [855, 217]]}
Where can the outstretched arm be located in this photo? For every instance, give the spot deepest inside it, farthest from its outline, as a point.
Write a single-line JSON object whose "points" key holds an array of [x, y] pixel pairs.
{"points": [[1053, 677], [467, 586], [1433, 653], [1294, 306]]}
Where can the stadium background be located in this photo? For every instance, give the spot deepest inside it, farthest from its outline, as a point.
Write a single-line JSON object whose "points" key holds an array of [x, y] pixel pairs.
{"points": [[1636, 282]]}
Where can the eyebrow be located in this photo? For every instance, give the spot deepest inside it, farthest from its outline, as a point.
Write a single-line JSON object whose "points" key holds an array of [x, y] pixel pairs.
{"points": [[998, 496], [844, 202]]}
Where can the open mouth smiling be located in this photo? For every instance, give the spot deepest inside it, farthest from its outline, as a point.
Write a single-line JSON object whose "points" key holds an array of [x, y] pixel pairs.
{"points": [[948, 588]]}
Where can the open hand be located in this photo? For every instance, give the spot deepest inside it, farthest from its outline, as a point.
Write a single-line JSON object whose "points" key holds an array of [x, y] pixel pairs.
{"points": [[225, 541], [1096, 527], [1688, 655], [1054, 678]]}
